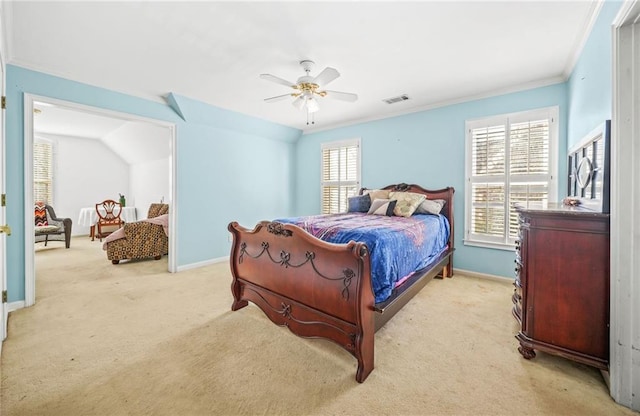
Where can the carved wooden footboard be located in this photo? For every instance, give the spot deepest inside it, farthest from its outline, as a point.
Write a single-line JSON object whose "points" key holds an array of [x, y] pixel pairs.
{"points": [[323, 290], [316, 289]]}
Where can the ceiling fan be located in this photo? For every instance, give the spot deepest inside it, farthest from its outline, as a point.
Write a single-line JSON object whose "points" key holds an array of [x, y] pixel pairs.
{"points": [[308, 88]]}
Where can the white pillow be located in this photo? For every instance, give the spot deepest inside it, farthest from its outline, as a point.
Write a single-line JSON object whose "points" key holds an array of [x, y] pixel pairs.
{"points": [[376, 193], [430, 206]]}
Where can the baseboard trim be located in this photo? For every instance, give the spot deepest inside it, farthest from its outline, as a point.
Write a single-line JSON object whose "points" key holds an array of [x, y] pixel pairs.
{"points": [[14, 306], [202, 263], [483, 275]]}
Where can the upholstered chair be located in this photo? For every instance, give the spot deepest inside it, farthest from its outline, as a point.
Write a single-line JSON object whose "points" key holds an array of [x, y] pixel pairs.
{"points": [[142, 239], [48, 227]]}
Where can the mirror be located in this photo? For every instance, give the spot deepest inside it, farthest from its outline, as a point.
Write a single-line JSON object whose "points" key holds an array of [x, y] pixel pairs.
{"points": [[583, 172], [589, 169]]}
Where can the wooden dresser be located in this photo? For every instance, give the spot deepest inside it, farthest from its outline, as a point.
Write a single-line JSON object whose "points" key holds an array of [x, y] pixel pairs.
{"points": [[561, 296]]}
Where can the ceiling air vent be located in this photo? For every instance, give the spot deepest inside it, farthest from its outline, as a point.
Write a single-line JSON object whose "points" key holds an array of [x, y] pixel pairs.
{"points": [[403, 97]]}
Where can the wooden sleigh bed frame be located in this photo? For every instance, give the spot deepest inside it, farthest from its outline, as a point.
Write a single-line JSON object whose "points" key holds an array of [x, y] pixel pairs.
{"points": [[323, 290]]}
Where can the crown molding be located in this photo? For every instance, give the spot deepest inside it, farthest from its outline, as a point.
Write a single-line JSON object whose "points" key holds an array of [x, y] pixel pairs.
{"points": [[68, 77], [494, 93], [582, 40]]}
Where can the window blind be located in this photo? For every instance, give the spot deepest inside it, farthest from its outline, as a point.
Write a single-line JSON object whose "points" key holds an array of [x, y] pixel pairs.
{"points": [[340, 176], [43, 172], [509, 161]]}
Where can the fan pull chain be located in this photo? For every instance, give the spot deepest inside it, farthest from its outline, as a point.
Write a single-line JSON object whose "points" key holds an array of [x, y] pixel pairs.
{"points": [[313, 121]]}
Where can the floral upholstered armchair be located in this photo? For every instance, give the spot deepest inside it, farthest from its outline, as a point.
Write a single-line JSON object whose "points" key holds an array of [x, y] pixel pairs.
{"points": [[141, 239]]}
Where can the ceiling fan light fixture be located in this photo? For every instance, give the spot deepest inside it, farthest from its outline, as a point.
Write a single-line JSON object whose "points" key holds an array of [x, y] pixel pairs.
{"points": [[299, 102], [309, 88], [312, 105]]}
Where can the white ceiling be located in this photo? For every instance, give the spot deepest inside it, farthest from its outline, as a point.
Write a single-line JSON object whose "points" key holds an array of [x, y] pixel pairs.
{"points": [[134, 141], [61, 121], [435, 52]]}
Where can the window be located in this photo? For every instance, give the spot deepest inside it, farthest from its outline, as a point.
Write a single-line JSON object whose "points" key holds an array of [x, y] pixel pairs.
{"points": [[340, 175], [43, 171], [509, 159]]}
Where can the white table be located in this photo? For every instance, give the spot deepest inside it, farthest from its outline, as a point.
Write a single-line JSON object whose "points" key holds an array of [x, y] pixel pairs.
{"points": [[89, 217]]}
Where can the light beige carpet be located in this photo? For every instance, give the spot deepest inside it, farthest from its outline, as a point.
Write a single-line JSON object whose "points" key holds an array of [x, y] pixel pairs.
{"points": [[133, 339]]}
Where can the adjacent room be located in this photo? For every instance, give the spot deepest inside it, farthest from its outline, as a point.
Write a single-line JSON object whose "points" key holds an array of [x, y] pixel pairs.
{"points": [[318, 208], [85, 156], [104, 157]]}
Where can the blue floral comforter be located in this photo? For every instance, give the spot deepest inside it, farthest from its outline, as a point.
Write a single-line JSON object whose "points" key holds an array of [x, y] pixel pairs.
{"points": [[398, 246]]}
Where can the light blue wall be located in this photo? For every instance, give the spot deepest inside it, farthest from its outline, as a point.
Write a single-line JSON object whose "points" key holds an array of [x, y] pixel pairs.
{"points": [[427, 148], [590, 84], [227, 165]]}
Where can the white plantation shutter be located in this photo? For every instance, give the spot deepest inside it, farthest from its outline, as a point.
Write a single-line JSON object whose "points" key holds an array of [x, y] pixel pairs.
{"points": [[510, 159], [43, 172], [340, 174]]}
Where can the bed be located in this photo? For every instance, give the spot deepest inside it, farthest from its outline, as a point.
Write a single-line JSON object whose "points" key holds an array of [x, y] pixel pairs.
{"points": [[321, 289]]}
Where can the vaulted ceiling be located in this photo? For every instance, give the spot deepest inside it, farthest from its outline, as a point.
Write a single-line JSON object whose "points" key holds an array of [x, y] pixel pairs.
{"points": [[435, 52], [133, 141]]}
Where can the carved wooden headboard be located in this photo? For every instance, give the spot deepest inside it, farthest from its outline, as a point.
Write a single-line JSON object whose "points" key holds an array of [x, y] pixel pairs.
{"points": [[445, 194]]}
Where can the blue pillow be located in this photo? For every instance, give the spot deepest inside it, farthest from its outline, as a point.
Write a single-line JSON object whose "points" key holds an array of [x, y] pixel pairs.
{"points": [[360, 203]]}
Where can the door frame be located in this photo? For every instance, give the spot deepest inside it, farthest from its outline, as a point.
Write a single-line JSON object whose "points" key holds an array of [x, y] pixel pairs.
{"points": [[4, 311], [625, 198], [29, 99]]}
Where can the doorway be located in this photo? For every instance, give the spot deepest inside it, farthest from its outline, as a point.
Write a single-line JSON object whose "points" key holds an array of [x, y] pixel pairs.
{"points": [[34, 106]]}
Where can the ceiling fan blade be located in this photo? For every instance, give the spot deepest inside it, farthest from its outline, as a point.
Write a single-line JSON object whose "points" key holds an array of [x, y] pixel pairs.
{"points": [[276, 98], [277, 80], [326, 76], [344, 96]]}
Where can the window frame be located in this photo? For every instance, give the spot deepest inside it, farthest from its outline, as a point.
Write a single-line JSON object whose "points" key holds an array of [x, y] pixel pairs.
{"points": [[505, 242], [52, 168], [338, 144]]}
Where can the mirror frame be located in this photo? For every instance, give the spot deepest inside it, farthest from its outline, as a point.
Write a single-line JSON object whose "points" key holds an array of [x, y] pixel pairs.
{"points": [[588, 178]]}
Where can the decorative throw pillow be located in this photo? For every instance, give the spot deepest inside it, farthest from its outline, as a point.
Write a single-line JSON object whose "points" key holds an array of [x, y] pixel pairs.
{"points": [[382, 207], [407, 202], [430, 206], [40, 213], [376, 193], [360, 203]]}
